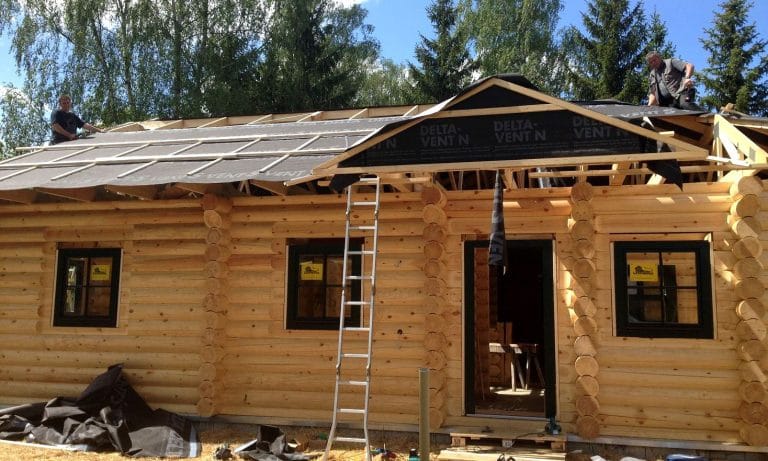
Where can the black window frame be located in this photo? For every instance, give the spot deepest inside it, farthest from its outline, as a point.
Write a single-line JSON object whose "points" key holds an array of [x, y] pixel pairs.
{"points": [[703, 329], [327, 247], [60, 317]]}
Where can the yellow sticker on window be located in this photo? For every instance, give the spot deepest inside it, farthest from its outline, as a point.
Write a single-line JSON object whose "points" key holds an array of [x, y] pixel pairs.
{"points": [[640, 271], [311, 270], [100, 272]]}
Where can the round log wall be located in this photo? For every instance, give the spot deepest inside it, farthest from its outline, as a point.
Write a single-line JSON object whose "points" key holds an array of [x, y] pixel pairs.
{"points": [[435, 288], [581, 271], [216, 302], [750, 327]]}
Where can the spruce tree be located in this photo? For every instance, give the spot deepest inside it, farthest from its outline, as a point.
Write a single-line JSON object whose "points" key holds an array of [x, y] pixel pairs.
{"points": [[737, 62], [446, 66], [608, 60]]}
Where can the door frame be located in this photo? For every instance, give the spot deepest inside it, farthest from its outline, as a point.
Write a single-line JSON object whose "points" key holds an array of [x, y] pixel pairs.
{"points": [[546, 249]]}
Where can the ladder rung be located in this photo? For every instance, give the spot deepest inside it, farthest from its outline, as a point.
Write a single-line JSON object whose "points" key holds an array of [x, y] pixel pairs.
{"points": [[356, 411], [357, 329], [353, 383], [362, 227], [361, 252], [357, 303], [355, 356], [359, 277], [351, 439], [368, 180], [364, 203]]}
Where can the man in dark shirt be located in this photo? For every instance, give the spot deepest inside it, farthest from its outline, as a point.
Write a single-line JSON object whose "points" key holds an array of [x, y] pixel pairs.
{"points": [[64, 124], [670, 83]]}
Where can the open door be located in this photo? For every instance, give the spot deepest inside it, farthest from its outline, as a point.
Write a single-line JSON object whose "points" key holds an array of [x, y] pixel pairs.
{"points": [[510, 347]]}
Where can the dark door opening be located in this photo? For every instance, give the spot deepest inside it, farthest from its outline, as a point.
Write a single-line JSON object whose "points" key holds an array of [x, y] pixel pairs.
{"points": [[510, 356]]}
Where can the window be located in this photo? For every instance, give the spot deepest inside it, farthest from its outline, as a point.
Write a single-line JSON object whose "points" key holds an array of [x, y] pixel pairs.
{"points": [[663, 289], [315, 281], [87, 287]]}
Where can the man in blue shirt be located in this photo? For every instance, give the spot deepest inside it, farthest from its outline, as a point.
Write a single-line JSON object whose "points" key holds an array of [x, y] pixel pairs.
{"points": [[64, 124]]}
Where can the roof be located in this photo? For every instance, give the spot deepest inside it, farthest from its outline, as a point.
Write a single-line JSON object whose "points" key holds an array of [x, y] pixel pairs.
{"points": [[276, 153]]}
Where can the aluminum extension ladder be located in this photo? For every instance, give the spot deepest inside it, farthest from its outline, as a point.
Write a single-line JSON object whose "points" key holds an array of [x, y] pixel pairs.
{"points": [[363, 221]]}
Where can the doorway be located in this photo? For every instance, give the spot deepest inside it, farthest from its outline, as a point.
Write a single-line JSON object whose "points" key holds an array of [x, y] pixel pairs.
{"points": [[509, 331]]}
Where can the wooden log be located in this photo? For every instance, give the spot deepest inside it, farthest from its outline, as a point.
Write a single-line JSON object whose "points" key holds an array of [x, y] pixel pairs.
{"points": [[434, 232], [751, 349], [212, 353], [754, 412], [583, 268], [584, 325], [587, 427], [582, 230], [751, 372], [753, 391], [217, 252], [586, 366], [751, 308], [433, 249], [217, 236], [745, 227], [434, 195], [582, 191], [205, 407], [587, 405], [434, 214], [751, 329], [216, 269], [436, 360], [754, 434], [584, 248], [434, 268], [583, 346], [434, 286], [583, 306], [436, 419], [747, 267], [750, 287], [214, 219], [582, 210], [215, 303], [216, 203], [748, 205], [748, 247], [588, 385], [435, 322], [215, 320], [746, 185], [435, 342]]}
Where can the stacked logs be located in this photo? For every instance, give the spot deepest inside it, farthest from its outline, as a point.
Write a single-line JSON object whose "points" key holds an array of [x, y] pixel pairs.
{"points": [[433, 199], [218, 249], [581, 269], [750, 328]]}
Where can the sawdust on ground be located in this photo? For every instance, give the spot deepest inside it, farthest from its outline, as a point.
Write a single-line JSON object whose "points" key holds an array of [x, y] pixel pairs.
{"points": [[397, 445]]}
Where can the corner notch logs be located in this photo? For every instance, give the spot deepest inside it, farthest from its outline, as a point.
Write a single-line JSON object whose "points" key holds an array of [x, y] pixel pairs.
{"points": [[216, 302]]}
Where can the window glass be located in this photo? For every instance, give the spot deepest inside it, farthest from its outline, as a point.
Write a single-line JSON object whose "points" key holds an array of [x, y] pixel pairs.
{"points": [[315, 282], [87, 287], [663, 289]]}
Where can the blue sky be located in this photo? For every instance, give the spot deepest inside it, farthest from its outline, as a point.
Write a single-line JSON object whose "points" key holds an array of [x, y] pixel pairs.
{"points": [[398, 24]]}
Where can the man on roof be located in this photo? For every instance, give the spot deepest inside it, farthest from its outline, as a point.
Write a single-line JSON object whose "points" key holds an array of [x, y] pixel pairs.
{"points": [[671, 83], [64, 124]]}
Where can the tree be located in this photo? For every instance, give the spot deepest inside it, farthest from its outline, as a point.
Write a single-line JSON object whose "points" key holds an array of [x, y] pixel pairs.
{"points": [[386, 84], [446, 67], [22, 123], [608, 58], [516, 36], [315, 56], [738, 64]]}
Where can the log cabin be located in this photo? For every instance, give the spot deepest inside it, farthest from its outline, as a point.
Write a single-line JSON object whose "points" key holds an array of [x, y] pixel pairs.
{"points": [[205, 255]]}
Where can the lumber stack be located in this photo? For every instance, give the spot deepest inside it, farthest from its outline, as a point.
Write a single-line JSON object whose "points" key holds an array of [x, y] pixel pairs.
{"points": [[581, 268], [435, 342], [749, 290]]}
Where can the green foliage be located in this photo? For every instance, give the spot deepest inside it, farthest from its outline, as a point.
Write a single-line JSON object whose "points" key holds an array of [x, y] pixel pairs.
{"points": [[22, 123], [607, 59], [737, 69], [516, 36], [386, 85], [314, 56], [446, 66]]}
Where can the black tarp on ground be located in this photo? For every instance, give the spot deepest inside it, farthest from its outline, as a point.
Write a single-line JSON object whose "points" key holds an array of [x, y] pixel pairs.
{"points": [[109, 415]]}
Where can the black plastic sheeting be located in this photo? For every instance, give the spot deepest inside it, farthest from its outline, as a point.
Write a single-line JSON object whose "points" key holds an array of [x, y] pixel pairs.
{"points": [[109, 415]]}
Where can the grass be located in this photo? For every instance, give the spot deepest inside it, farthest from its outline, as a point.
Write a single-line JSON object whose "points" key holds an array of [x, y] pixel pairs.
{"points": [[312, 440]]}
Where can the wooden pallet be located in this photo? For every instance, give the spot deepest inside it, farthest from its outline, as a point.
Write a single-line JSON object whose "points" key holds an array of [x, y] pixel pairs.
{"points": [[555, 442]]}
